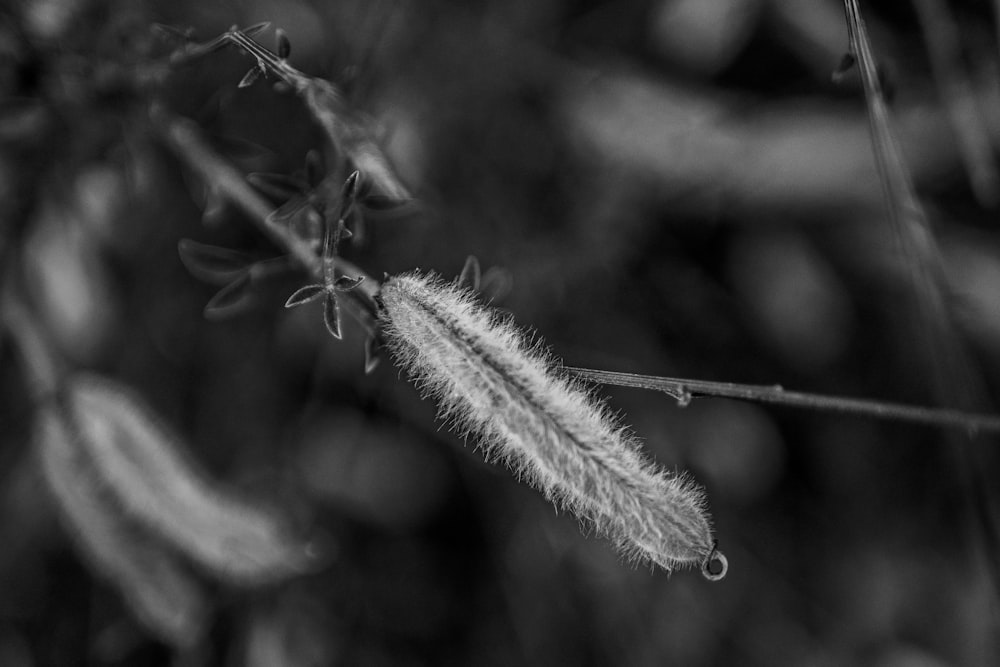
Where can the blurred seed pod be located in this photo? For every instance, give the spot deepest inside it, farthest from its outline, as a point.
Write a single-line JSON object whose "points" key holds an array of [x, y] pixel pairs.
{"points": [[703, 36], [161, 593], [70, 284], [151, 479]]}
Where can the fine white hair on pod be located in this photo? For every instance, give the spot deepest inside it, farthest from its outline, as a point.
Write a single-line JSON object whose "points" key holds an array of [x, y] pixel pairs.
{"points": [[490, 381]]}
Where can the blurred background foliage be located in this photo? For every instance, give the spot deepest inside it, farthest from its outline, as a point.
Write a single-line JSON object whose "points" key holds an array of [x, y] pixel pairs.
{"points": [[674, 187]]}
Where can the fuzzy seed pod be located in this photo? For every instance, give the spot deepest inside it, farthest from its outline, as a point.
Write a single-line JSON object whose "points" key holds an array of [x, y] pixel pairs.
{"points": [[158, 589], [492, 382], [149, 478]]}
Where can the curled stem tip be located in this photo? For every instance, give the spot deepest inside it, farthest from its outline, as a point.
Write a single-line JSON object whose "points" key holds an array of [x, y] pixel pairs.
{"points": [[716, 565]]}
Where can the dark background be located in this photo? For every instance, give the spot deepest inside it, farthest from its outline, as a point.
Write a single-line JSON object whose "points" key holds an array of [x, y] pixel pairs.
{"points": [[673, 188]]}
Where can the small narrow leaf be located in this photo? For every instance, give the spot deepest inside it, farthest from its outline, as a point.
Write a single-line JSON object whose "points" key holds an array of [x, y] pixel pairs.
{"points": [[350, 189], [272, 266], [251, 76], [496, 283], [284, 46], [331, 315], [342, 230], [230, 299], [212, 264], [346, 283], [255, 29], [471, 275], [305, 295], [348, 194]]}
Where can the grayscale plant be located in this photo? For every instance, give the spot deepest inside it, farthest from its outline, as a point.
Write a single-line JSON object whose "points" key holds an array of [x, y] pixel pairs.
{"points": [[149, 487]]}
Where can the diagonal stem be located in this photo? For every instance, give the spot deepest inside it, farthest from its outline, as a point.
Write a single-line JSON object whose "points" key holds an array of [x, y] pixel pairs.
{"points": [[684, 390], [184, 139]]}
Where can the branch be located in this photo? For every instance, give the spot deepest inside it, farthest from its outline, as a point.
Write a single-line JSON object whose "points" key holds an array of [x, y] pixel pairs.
{"points": [[684, 390], [183, 137]]}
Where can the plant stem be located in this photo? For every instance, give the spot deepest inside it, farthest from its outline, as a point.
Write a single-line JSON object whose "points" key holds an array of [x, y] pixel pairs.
{"points": [[684, 390], [183, 137], [954, 377]]}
